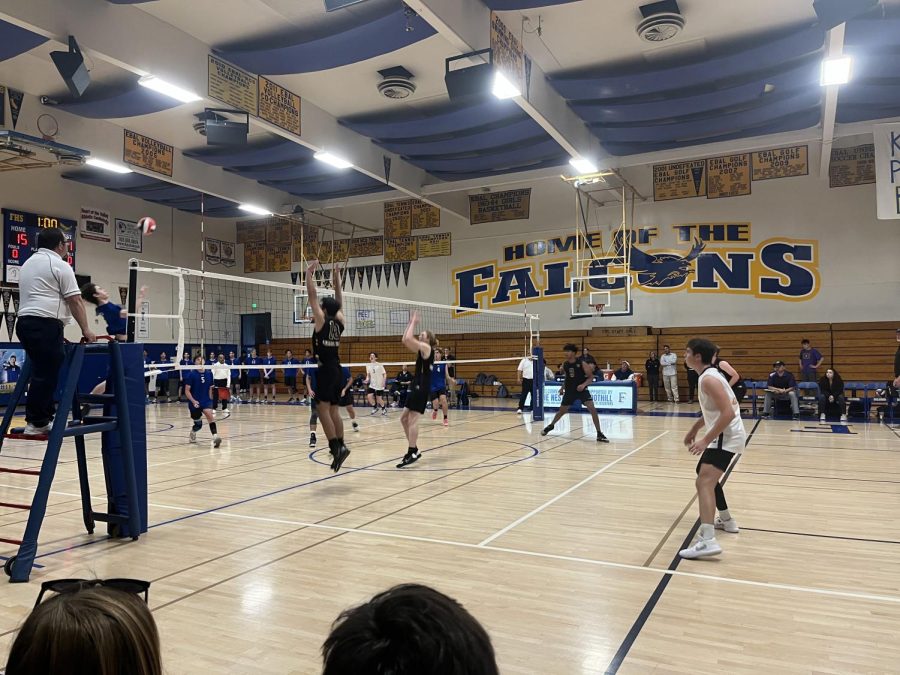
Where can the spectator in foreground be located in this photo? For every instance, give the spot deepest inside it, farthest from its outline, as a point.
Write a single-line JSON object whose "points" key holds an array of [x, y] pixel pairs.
{"points": [[88, 629], [781, 386], [810, 360], [408, 630], [831, 390]]}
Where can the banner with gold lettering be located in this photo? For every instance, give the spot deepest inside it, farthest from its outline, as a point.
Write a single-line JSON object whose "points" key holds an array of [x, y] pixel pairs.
{"points": [[397, 219], [495, 207], [278, 231], [852, 166], [728, 176], [423, 216], [250, 231], [364, 247], [781, 163], [434, 245], [233, 86], [278, 258], [401, 249], [255, 257], [279, 106], [148, 153], [679, 180], [508, 53]]}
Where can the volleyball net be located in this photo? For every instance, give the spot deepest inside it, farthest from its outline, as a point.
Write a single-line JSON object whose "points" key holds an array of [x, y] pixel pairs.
{"points": [[214, 312]]}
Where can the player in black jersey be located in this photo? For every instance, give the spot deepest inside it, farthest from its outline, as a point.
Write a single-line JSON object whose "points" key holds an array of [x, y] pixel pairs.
{"points": [[578, 374], [420, 387], [328, 325]]}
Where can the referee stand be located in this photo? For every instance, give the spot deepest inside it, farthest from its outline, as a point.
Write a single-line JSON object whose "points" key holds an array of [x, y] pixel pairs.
{"points": [[122, 426]]}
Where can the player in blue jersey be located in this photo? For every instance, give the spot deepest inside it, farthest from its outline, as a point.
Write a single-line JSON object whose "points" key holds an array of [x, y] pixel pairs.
{"points": [[439, 379], [235, 377], [253, 377], [198, 389], [290, 375], [309, 361], [268, 376]]}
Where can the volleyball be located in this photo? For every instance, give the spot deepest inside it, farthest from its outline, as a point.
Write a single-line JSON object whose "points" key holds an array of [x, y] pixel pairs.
{"points": [[146, 225]]}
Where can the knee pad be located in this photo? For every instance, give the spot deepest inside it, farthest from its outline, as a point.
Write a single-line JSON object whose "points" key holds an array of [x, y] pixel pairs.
{"points": [[197, 425]]}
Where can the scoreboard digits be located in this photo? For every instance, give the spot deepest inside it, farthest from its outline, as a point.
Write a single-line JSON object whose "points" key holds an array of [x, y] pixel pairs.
{"points": [[20, 232]]}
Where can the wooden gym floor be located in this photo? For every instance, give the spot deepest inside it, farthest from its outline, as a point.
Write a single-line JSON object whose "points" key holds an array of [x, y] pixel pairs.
{"points": [[564, 549]]}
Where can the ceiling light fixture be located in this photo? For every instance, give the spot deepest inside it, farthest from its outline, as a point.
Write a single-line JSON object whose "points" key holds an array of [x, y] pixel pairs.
{"points": [[503, 88], [108, 166], [168, 89], [836, 70], [255, 210], [332, 160], [583, 166]]}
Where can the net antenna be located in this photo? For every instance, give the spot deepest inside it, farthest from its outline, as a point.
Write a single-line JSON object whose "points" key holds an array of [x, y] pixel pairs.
{"points": [[601, 277]]}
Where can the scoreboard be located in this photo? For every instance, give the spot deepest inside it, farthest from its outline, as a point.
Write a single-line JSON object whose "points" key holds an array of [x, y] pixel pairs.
{"points": [[20, 232]]}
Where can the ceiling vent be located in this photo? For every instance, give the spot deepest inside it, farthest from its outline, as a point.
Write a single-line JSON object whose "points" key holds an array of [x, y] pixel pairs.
{"points": [[662, 21], [397, 83]]}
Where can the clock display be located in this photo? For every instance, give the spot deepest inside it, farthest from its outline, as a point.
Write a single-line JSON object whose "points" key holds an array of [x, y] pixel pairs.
{"points": [[20, 232]]}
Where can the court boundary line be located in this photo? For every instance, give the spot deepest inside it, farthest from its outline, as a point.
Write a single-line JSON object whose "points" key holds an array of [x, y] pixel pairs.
{"points": [[568, 491], [839, 537]]}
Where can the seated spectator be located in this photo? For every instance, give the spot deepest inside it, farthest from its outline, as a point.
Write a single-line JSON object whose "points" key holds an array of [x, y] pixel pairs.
{"points": [[400, 388], [549, 375], [408, 630], [88, 628], [831, 390], [781, 386], [624, 373]]}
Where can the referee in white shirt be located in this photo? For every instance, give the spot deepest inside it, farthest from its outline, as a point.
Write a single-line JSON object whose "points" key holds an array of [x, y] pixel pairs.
{"points": [[525, 373], [49, 298]]}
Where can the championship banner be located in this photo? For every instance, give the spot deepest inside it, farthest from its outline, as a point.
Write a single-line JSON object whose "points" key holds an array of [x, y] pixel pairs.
{"points": [[279, 106], [94, 224], [679, 180], [233, 86], [401, 249], [212, 249], [228, 253], [852, 166], [397, 219], [340, 250], [423, 216], [365, 247], [887, 170], [251, 231], [278, 258], [508, 53], [129, 236], [255, 257], [728, 176], [781, 163], [148, 153], [434, 245], [496, 207], [278, 231]]}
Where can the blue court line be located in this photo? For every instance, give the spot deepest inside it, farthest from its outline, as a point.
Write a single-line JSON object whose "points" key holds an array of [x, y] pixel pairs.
{"points": [[651, 603], [272, 493]]}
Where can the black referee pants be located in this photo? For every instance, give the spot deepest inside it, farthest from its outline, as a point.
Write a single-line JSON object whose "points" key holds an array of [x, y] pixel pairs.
{"points": [[42, 340], [526, 389]]}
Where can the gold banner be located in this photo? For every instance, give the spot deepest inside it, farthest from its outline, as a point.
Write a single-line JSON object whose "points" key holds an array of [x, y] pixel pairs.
{"points": [[364, 247], [148, 153], [400, 249], [852, 166], [495, 207], [279, 106], [679, 180], [278, 258], [278, 231], [397, 219], [728, 176], [508, 53], [305, 232], [781, 163], [232, 86], [423, 216], [249, 231], [434, 245], [255, 257]]}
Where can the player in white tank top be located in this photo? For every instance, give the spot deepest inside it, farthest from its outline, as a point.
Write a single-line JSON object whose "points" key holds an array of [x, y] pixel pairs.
{"points": [[724, 438]]}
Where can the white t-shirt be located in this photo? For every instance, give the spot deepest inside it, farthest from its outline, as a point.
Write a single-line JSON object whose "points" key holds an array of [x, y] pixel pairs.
{"points": [[45, 281], [221, 371], [376, 375], [734, 437], [668, 362], [526, 367]]}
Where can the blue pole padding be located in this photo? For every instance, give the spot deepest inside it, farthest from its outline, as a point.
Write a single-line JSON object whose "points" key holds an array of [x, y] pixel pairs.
{"points": [[537, 384]]}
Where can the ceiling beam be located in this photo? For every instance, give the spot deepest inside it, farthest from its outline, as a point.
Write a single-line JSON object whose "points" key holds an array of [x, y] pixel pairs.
{"points": [[466, 25], [143, 44], [834, 48]]}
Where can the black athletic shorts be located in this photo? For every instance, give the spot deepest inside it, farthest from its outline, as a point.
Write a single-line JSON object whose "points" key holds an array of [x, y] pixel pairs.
{"points": [[569, 397], [269, 380], [717, 457], [437, 393], [346, 399], [329, 383], [290, 382], [377, 392], [417, 400], [252, 379]]}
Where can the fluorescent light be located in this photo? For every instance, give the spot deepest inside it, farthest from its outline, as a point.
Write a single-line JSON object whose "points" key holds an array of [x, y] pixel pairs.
{"points": [[583, 166], [503, 88], [255, 210], [109, 166], [163, 87], [836, 70], [333, 160]]}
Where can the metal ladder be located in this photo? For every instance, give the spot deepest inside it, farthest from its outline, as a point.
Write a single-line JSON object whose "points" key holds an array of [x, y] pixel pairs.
{"points": [[18, 567]]}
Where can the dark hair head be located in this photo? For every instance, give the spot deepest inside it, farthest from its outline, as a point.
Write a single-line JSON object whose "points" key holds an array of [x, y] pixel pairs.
{"points": [[50, 238], [408, 630], [88, 291], [96, 631], [330, 306], [704, 348], [569, 347], [804, 341]]}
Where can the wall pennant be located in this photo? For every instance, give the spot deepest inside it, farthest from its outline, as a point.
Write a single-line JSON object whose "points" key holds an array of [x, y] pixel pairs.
{"points": [[360, 273], [7, 296], [11, 325], [370, 270], [295, 277], [123, 295], [378, 275], [406, 267], [15, 297], [344, 275], [352, 274], [15, 105], [387, 275], [396, 268], [387, 169]]}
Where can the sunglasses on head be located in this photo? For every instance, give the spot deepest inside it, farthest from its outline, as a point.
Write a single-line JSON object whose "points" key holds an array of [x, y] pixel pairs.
{"points": [[62, 586]]}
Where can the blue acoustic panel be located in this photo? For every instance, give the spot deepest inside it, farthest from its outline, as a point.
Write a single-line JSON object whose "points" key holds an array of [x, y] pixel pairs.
{"points": [[873, 32], [126, 100], [725, 69], [507, 5], [310, 170], [560, 160], [522, 131], [106, 179], [449, 120], [15, 40], [365, 40], [268, 152], [511, 159], [863, 113], [348, 180]]}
